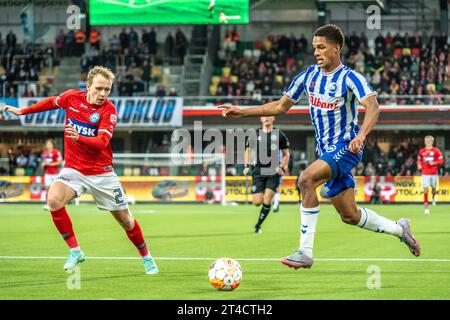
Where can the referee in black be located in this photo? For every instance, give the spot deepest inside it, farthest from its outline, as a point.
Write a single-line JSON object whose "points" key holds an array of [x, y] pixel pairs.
{"points": [[270, 143]]}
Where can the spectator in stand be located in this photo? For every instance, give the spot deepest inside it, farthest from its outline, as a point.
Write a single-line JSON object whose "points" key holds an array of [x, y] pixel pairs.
{"points": [[11, 40], [161, 92], [169, 45], [152, 45], [181, 44], [173, 92], [59, 44], [114, 44], [124, 40], [134, 39], [94, 38], [146, 71], [69, 44], [85, 64], [12, 164], [80, 39], [21, 160]]}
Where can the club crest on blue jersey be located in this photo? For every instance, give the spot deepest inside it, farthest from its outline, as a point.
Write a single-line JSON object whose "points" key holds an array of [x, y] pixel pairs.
{"points": [[83, 129], [333, 87], [94, 117]]}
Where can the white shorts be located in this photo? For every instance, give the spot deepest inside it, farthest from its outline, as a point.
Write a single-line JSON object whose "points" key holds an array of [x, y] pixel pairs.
{"points": [[429, 181], [49, 178], [104, 188]]}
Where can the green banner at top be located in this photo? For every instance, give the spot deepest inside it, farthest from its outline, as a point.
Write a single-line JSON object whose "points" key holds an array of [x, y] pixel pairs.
{"points": [[141, 12]]}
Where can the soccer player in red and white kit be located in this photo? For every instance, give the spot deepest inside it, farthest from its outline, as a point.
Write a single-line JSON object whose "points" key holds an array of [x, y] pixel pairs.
{"points": [[90, 122], [52, 161], [428, 162]]}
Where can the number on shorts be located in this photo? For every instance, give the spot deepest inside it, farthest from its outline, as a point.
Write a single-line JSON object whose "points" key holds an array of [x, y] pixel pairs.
{"points": [[119, 196]]}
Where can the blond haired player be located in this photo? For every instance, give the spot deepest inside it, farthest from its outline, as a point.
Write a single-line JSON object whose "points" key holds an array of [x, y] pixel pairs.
{"points": [[90, 122]]}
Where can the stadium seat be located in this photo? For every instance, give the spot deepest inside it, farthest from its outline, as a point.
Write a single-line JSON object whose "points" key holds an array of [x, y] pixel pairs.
{"points": [[397, 52], [127, 172], [136, 171], [247, 53], [234, 79], [415, 52], [215, 80], [20, 171], [406, 51], [213, 89], [279, 79], [257, 45], [256, 53], [152, 89], [226, 71], [156, 72]]}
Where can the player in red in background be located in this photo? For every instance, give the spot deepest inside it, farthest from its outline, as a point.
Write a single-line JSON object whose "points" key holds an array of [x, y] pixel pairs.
{"points": [[90, 122], [52, 161], [429, 159]]}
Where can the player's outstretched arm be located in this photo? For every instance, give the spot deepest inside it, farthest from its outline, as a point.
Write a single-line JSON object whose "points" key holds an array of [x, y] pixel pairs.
{"points": [[266, 110], [43, 105], [14, 110], [370, 119]]}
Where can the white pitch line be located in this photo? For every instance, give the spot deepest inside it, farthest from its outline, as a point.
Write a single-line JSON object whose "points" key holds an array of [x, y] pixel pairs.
{"points": [[241, 259]]}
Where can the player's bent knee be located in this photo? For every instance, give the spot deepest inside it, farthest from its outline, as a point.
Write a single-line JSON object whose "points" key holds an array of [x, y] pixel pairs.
{"points": [[349, 219], [55, 202], [267, 200], [305, 181]]}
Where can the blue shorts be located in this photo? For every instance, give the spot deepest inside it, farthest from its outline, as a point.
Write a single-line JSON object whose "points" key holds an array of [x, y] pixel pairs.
{"points": [[341, 161]]}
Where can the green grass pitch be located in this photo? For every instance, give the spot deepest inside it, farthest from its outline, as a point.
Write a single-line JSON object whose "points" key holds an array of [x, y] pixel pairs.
{"points": [[343, 254]]}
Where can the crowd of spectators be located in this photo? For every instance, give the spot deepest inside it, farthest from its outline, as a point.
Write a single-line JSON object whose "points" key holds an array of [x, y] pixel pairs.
{"points": [[403, 64], [259, 68], [135, 59], [27, 160], [21, 66], [400, 159]]}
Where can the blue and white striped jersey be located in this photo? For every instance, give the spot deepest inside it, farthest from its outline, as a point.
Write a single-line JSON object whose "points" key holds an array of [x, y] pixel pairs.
{"points": [[332, 102]]}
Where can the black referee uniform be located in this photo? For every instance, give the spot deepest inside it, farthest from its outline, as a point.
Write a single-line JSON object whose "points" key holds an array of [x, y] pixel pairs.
{"points": [[264, 175]]}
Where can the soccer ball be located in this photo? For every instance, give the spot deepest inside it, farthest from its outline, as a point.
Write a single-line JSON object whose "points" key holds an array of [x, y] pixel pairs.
{"points": [[225, 274]]}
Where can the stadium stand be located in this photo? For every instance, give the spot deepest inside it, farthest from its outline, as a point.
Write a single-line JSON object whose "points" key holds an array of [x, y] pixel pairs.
{"points": [[402, 65]]}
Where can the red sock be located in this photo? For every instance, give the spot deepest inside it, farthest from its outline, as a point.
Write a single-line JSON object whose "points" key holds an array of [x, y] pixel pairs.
{"points": [[64, 225], [425, 199], [136, 236]]}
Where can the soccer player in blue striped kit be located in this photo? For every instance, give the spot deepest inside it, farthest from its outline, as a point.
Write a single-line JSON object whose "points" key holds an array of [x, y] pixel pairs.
{"points": [[333, 90]]}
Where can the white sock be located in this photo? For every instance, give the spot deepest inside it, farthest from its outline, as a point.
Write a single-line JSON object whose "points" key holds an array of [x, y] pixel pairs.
{"points": [[276, 200], [146, 256], [75, 249], [370, 220], [308, 221]]}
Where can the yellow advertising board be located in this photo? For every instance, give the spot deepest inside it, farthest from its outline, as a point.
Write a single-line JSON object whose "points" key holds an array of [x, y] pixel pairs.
{"points": [[238, 189]]}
